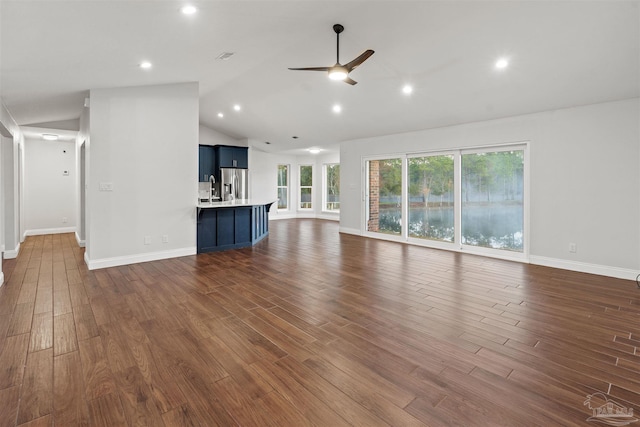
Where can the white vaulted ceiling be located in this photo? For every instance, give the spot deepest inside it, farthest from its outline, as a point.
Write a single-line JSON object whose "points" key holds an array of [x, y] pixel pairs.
{"points": [[561, 54]]}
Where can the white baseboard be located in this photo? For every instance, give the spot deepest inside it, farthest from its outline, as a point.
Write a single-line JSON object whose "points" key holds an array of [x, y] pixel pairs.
{"points": [[13, 253], [282, 216], [304, 215], [1, 278], [347, 230], [81, 242], [41, 231], [134, 259], [330, 217], [583, 267]]}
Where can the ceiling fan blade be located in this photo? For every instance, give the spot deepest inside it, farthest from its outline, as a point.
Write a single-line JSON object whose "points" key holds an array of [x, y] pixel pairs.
{"points": [[311, 69], [350, 81], [359, 60]]}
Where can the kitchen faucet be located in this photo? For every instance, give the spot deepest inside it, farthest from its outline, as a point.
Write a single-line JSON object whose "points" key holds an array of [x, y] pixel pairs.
{"points": [[212, 180]]}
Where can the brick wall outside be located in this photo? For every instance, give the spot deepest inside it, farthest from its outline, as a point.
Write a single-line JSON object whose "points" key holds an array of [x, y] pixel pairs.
{"points": [[373, 223]]}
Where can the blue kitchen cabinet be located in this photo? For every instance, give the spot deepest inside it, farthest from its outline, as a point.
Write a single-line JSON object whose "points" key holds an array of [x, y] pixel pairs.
{"points": [[206, 162], [231, 157]]}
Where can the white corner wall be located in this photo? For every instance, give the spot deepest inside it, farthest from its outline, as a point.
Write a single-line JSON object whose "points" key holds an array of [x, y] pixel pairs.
{"points": [[144, 145], [10, 218], [49, 194], [585, 180]]}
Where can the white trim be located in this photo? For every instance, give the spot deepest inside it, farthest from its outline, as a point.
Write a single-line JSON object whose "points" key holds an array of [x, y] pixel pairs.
{"points": [[12, 254], [324, 215], [1, 278], [41, 231], [282, 216], [347, 230], [81, 243], [134, 259], [303, 215], [583, 267]]}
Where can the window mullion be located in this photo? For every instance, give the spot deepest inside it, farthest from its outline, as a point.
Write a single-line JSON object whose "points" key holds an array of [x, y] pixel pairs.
{"points": [[457, 194]]}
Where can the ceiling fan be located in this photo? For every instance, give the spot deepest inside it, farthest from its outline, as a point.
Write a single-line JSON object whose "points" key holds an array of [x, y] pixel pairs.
{"points": [[339, 71]]}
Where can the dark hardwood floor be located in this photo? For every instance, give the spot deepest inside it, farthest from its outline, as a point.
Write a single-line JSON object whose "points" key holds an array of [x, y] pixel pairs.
{"points": [[310, 328]]}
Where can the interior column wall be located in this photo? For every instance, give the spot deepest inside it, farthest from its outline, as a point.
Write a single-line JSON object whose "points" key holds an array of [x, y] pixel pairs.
{"points": [[142, 174]]}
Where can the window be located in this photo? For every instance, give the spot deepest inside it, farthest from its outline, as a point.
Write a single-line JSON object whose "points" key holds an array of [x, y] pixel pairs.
{"points": [[306, 186], [385, 196], [283, 187], [473, 199], [332, 187]]}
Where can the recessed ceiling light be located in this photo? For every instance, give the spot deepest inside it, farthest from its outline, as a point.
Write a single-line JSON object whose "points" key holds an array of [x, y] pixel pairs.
{"points": [[407, 89], [49, 137], [502, 63], [314, 150], [188, 9], [145, 65], [237, 107], [220, 115], [337, 108]]}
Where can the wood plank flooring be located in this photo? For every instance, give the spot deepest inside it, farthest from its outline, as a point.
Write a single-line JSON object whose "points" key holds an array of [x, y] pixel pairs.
{"points": [[310, 328]]}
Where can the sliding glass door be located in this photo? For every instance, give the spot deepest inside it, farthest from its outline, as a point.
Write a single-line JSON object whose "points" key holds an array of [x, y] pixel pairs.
{"points": [[493, 199], [431, 197], [473, 200]]}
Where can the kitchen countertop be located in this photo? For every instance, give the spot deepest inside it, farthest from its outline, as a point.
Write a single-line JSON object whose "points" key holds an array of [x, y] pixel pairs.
{"points": [[236, 203]]}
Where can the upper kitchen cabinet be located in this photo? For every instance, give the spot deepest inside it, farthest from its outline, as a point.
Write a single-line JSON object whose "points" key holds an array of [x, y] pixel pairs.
{"points": [[206, 162], [231, 157]]}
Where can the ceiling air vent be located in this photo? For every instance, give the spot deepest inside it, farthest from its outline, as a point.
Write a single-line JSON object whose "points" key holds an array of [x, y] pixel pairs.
{"points": [[225, 55]]}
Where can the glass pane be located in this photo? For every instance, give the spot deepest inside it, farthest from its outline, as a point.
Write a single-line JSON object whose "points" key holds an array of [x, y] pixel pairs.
{"points": [[493, 199], [333, 188], [283, 172], [306, 176], [305, 198], [385, 196], [431, 196], [282, 198]]}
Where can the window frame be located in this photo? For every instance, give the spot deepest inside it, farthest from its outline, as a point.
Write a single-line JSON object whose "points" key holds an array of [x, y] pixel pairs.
{"points": [[310, 187], [325, 188], [456, 245], [286, 187]]}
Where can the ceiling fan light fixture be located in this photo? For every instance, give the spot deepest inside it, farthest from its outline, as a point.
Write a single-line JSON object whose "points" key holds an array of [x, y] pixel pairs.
{"points": [[338, 73]]}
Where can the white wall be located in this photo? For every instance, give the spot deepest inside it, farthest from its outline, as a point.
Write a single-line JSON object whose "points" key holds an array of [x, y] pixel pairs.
{"points": [[144, 143], [263, 169], [210, 136], [11, 182], [82, 144], [11, 201], [49, 195], [584, 175]]}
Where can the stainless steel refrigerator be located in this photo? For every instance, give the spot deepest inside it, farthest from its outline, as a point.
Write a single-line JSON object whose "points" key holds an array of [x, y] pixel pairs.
{"points": [[234, 184]]}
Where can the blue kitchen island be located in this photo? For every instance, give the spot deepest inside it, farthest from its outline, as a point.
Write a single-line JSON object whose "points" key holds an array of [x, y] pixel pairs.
{"points": [[232, 224]]}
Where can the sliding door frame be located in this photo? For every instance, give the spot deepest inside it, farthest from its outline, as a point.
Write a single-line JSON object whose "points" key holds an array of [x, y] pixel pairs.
{"points": [[456, 245]]}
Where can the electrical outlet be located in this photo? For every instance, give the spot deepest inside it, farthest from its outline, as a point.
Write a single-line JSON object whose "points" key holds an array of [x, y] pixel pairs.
{"points": [[165, 238], [147, 240], [573, 248], [106, 186], [64, 219]]}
